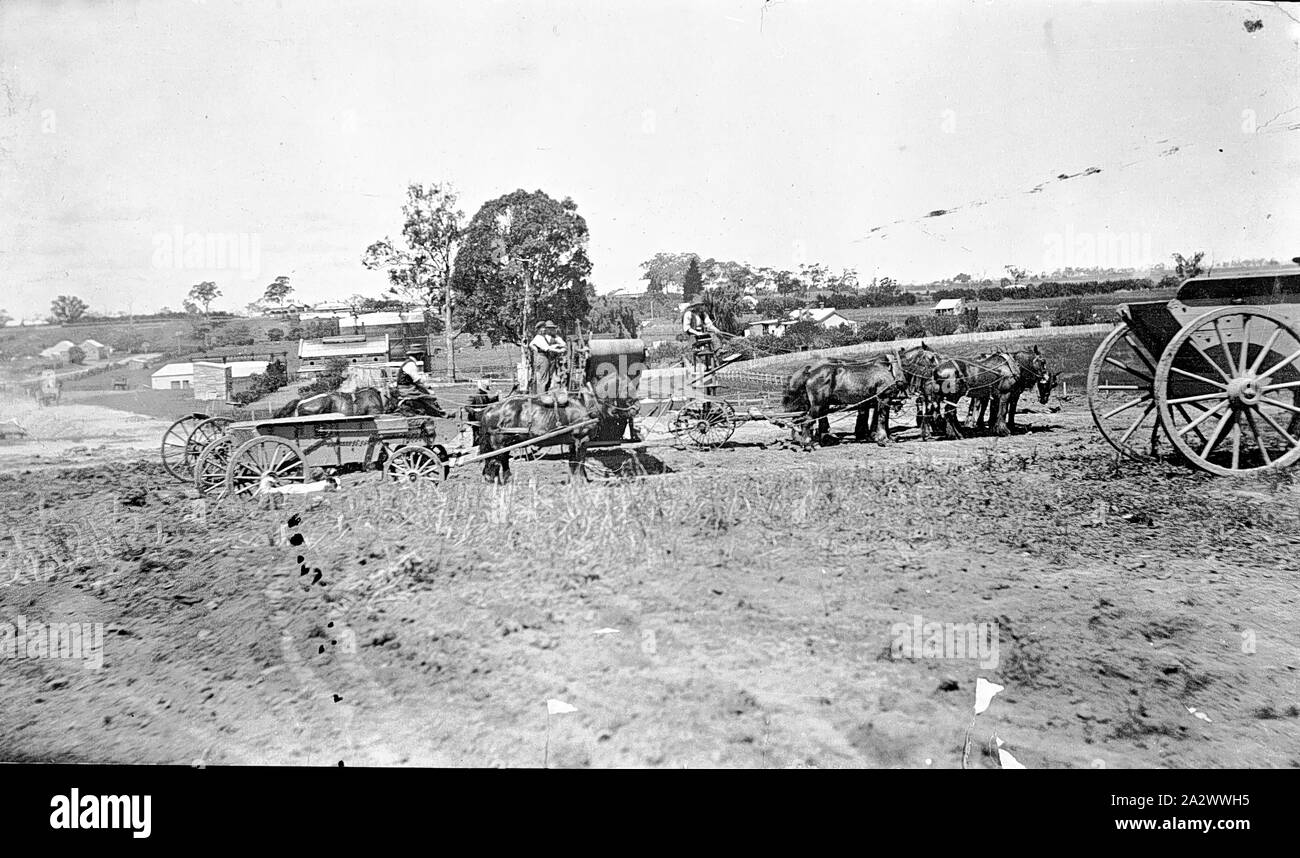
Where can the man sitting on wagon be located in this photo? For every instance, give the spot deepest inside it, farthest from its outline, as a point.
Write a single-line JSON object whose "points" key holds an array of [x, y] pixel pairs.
{"points": [[412, 391]]}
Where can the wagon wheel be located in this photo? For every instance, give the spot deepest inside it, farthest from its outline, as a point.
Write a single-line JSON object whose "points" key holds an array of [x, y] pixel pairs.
{"points": [[175, 446], [416, 464], [708, 423], [210, 467], [200, 436], [1120, 394], [1228, 391], [265, 459]]}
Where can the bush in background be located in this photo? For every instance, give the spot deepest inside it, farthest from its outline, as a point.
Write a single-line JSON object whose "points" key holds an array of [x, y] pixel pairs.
{"points": [[1072, 311], [1032, 321]]}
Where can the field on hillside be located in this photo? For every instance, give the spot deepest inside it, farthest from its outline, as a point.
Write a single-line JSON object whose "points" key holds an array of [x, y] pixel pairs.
{"points": [[745, 607]]}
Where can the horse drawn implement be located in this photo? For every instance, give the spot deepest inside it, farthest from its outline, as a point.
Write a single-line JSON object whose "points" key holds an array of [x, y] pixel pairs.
{"points": [[1215, 371]]}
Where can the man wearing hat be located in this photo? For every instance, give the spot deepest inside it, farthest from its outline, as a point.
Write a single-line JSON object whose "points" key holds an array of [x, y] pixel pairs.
{"points": [[698, 325], [411, 381], [548, 350]]}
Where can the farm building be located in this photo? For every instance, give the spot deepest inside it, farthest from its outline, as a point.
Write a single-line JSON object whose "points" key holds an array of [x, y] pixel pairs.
{"points": [[361, 350], [208, 379], [764, 327], [95, 350], [949, 307], [373, 324], [58, 351], [173, 376], [825, 317]]}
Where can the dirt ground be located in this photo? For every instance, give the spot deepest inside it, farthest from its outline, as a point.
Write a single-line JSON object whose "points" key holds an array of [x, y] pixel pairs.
{"points": [[735, 608]]}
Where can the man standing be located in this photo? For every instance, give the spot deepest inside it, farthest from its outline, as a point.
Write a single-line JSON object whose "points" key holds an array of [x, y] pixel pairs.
{"points": [[706, 338], [548, 349]]}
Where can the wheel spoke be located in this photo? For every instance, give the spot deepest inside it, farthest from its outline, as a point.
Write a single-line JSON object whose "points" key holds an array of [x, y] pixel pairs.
{"points": [[1277, 427], [1215, 436], [1140, 351], [1278, 404], [1259, 439], [1204, 412], [1268, 347], [1236, 441], [1199, 378], [1245, 348], [1284, 385], [1136, 423], [1125, 407], [1125, 387], [1205, 397], [1275, 367], [1130, 370], [1199, 420], [1227, 352]]}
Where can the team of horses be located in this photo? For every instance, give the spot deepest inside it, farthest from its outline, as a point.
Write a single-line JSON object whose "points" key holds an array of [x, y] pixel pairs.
{"points": [[994, 383]]}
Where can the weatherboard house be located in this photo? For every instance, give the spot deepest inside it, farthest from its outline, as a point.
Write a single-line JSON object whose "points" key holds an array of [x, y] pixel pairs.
{"points": [[949, 307], [356, 350]]}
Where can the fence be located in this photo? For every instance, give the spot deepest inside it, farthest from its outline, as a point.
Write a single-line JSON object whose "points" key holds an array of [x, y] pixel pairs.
{"points": [[754, 367]]}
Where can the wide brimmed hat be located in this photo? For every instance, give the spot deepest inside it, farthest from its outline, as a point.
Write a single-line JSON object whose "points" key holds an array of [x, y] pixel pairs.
{"points": [[414, 351], [482, 385]]}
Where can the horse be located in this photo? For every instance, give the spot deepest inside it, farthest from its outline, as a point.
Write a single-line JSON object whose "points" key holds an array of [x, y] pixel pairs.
{"points": [[866, 386], [364, 401], [519, 418], [994, 382]]}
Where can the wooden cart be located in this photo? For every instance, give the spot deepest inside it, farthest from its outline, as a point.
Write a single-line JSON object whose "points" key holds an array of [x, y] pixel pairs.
{"points": [[1215, 372]]}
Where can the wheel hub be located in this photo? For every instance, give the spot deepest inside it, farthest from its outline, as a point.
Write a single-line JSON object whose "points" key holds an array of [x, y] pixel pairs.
{"points": [[1244, 390]]}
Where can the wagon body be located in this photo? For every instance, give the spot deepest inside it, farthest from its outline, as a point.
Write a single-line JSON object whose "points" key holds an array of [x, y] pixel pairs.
{"points": [[336, 440], [1214, 370]]}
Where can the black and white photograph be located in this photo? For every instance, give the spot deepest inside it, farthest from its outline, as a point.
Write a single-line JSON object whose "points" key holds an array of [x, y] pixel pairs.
{"points": [[725, 384]]}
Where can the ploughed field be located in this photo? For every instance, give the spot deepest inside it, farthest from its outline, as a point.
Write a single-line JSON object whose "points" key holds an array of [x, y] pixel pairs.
{"points": [[742, 607]]}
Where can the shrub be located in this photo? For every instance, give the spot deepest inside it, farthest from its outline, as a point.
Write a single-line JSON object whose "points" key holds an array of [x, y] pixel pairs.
{"points": [[233, 334], [995, 325], [941, 326], [274, 334], [1032, 321], [275, 377], [76, 355], [1072, 311], [328, 380]]}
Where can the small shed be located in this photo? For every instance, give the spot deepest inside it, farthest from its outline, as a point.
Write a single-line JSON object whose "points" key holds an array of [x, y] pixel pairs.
{"points": [[949, 307], [95, 350]]}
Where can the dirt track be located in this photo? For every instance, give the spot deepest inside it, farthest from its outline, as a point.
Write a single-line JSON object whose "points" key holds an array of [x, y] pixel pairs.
{"points": [[735, 610]]}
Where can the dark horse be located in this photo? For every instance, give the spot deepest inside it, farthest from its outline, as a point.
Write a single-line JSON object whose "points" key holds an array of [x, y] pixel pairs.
{"points": [[866, 386], [366, 400], [521, 418], [992, 381]]}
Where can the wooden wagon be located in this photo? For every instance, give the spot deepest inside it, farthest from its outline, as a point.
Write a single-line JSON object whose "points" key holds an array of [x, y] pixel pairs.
{"points": [[257, 456], [1215, 371]]}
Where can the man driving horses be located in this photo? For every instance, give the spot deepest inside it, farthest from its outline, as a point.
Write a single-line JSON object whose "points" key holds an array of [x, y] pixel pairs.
{"points": [[412, 381], [706, 337], [548, 349]]}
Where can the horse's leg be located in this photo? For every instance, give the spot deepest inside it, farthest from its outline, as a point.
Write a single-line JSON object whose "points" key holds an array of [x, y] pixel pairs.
{"points": [[1013, 401], [880, 423], [864, 424], [1001, 401], [577, 455], [951, 430]]}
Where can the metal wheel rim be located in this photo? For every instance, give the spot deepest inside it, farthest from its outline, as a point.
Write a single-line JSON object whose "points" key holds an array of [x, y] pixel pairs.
{"points": [[710, 424], [264, 456], [175, 446], [1226, 422]]}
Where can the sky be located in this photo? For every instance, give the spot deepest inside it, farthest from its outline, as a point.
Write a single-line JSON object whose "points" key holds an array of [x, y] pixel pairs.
{"points": [[776, 132]]}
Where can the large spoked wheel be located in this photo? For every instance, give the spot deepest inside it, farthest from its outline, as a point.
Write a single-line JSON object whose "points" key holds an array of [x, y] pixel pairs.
{"points": [[1121, 396], [1228, 391], [707, 423], [416, 464], [263, 463], [211, 465], [176, 457], [202, 435]]}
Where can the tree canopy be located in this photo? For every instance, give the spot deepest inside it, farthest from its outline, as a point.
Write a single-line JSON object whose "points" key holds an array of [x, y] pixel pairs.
{"points": [[523, 259], [67, 308]]}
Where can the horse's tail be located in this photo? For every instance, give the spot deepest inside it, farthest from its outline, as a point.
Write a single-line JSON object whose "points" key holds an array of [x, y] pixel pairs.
{"points": [[795, 396], [287, 410], [947, 377]]}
